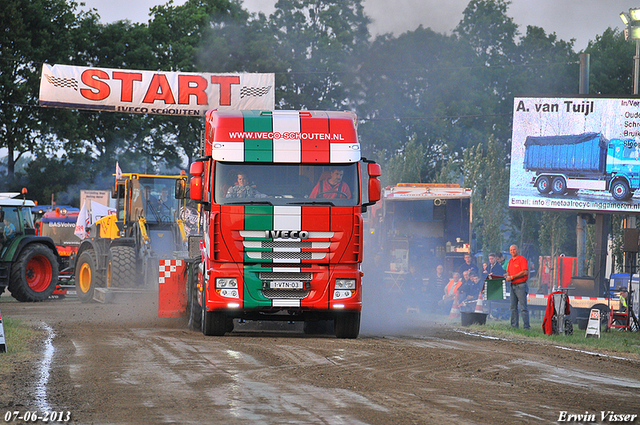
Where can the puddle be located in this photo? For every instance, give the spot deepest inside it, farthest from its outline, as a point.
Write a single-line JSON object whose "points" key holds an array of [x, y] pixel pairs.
{"points": [[45, 369]]}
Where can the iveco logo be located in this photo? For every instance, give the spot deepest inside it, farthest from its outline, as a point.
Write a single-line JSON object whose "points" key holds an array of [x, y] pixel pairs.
{"points": [[293, 234]]}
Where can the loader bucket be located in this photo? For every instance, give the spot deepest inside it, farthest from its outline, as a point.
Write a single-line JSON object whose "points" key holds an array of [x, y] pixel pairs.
{"points": [[172, 288]]}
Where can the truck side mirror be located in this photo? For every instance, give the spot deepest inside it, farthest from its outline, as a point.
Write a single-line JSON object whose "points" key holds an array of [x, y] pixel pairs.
{"points": [[195, 184], [374, 190], [197, 168], [374, 187], [1, 215], [181, 188], [195, 188]]}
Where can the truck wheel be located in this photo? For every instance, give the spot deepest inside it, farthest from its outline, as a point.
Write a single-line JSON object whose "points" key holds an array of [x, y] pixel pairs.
{"points": [[620, 190], [34, 275], [195, 311], [559, 186], [543, 184], [87, 277], [214, 323], [122, 262], [347, 325]]}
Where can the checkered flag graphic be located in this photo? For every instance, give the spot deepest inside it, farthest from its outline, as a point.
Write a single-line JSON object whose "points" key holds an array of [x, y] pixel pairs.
{"points": [[63, 82], [254, 91]]}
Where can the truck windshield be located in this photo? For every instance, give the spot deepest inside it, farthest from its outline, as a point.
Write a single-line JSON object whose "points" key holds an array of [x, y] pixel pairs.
{"points": [[157, 198], [287, 184], [61, 231]]}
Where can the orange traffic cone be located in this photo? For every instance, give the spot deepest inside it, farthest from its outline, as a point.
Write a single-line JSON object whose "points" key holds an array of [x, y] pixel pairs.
{"points": [[479, 308], [455, 311], [3, 344]]}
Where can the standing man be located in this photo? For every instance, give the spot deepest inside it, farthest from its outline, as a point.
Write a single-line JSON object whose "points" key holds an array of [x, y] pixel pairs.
{"points": [[494, 268], [517, 274]]}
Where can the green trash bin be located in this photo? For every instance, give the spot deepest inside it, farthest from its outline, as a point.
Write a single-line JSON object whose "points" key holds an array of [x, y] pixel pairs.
{"points": [[496, 289]]}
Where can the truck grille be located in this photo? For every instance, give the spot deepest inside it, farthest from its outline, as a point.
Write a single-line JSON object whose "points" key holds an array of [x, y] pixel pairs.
{"points": [[284, 276], [284, 293], [285, 244], [286, 255]]}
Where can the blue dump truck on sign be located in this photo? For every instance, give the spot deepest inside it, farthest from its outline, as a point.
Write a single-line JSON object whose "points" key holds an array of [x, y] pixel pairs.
{"points": [[566, 164]]}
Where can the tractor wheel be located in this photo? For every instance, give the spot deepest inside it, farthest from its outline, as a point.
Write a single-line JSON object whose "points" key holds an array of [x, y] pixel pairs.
{"points": [[347, 325], [87, 277], [122, 264], [34, 275]]}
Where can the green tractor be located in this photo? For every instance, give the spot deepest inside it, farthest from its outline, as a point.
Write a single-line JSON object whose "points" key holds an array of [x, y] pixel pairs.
{"points": [[29, 264]]}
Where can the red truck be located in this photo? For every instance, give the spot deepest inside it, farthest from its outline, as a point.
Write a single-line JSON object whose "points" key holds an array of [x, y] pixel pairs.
{"points": [[281, 195]]}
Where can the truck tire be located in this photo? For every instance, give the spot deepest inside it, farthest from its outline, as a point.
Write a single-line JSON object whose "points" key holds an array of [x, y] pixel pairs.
{"points": [[122, 264], [87, 277], [620, 190], [559, 185], [34, 275], [347, 325], [214, 323], [195, 311], [544, 184]]}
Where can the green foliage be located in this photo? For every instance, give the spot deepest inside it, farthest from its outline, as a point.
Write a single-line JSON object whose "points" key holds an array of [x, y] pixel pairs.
{"points": [[35, 31], [432, 107], [611, 63], [405, 166], [487, 175]]}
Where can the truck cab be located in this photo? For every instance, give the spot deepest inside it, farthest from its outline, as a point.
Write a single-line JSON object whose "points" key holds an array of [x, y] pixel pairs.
{"points": [[282, 194]]}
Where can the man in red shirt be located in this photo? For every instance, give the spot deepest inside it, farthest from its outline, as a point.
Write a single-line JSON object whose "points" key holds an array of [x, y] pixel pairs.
{"points": [[517, 274], [332, 187]]}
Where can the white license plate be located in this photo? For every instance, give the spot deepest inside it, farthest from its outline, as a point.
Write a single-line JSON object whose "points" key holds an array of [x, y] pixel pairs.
{"points": [[286, 284]]}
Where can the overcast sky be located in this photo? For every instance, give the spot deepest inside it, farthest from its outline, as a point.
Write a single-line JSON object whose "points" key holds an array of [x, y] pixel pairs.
{"points": [[579, 19]]}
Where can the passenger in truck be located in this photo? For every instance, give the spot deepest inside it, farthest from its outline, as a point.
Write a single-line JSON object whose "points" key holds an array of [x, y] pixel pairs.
{"points": [[243, 189]]}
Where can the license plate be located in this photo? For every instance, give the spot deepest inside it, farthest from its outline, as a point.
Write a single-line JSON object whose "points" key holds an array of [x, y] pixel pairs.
{"points": [[286, 284]]}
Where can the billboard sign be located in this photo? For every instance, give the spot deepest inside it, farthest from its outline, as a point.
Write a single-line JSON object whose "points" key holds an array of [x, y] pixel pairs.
{"points": [[578, 154], [153, 92]]}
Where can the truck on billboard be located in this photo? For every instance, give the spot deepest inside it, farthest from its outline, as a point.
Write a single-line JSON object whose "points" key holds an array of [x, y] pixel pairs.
{"points": [[575, 154]]}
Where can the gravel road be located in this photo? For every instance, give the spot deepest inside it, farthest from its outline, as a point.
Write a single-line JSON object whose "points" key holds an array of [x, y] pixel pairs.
{"points": [[118, 364]]}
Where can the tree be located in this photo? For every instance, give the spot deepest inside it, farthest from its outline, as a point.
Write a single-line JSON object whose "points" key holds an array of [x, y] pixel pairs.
{"points": [[611, 63], [319, 41], [488, 177], [35, 32]]}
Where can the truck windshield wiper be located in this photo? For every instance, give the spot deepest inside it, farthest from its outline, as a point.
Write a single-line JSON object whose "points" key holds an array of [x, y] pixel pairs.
{"points": [[312, 203], [249, 203]]}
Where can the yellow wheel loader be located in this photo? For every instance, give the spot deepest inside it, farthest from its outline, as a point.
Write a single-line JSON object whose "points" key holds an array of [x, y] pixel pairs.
{"points": [[121, 254]]}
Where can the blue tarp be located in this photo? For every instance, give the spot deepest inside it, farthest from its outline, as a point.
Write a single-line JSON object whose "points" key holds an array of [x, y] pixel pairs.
{"points": [[585, 152]]}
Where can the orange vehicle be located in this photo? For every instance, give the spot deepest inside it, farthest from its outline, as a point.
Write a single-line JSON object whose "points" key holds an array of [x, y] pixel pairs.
{"points": [[59, 224]]}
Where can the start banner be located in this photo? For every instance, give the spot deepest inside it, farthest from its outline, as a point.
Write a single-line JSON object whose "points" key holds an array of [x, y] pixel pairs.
{"points": [[153, 92]]}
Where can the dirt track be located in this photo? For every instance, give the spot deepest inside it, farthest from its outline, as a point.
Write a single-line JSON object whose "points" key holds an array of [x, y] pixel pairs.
{"points": [[120, 365]]}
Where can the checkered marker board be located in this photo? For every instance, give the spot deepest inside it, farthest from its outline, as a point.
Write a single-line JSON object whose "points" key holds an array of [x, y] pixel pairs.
{"points": [[254, 91], [3, 344], [167, 267], [71, 83], [172, 288]]}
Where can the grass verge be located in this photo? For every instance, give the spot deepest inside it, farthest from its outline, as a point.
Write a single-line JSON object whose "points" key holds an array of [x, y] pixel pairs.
{"points": [[610, 342], [19, 339]]}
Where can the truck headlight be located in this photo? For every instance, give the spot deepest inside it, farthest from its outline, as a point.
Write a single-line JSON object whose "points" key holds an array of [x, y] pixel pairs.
{"points": [[226, 283], [345, 284], [227, 287], [344, 288]]}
